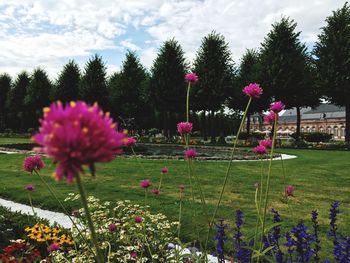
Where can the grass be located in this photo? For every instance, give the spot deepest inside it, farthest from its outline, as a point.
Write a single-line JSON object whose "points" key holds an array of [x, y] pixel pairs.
{"points": [[14, 140], [320, 177]]}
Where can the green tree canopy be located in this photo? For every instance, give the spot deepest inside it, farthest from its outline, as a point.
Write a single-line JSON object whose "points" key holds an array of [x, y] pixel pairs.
{"points": [[287, 69], [15, 102], [128, 89], [93, 86], [332, 53], [67, 85], [168, 88], [215, 68], [5, 86]]}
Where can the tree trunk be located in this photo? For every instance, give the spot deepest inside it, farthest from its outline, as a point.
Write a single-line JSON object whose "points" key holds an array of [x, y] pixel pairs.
{"points": [[212, 127], [347, 124], [222, 136], [298, 124], [248, 124], [204, 126]]}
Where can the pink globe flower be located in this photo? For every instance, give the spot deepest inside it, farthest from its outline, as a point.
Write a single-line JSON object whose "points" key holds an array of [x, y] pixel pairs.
{"points": [[130, 141], [190, 153], [77, 134], [29, 187], [253, 90], [33, 163], [156, 191], [145, 183], [112, 227], [138, 219], [133, 254], [260, 149], [289, 191], [164, 170], [267, 143], [53, 247], [277, 106], [191, 77], [184, 127], [270, 117]]}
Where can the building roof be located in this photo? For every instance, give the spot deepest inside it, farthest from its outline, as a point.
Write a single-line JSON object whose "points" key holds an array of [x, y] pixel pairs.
{"points": [[324, 108]]}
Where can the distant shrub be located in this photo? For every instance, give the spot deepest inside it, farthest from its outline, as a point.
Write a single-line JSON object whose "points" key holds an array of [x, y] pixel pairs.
{"points": [[316, 137], [246, 136]]}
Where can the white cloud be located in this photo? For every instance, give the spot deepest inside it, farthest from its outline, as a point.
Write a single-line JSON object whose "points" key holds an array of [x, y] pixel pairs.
{"points": [[128, 44], [49, 32]]}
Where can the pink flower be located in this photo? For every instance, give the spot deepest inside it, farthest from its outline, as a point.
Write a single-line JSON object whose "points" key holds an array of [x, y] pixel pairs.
{"points": [[289, 190], [260, 149], [277, 106], [130, 141], [78, 134], [53, 247], [145, 183], [33, 163], [133, 254], [138, 219], [267, 143], [253, 90], [190, 153], [191, 77], [164, 170], [156, 191], [112, 227], [29, 187], [270, 117], [184, 127]]}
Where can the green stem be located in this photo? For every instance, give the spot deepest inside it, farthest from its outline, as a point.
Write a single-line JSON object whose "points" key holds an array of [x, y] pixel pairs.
{"points": [[228, 171], [138, 161], [268, 182], [99, 258], [160, 181], [52, 192], [145, 196], [188, 101], [258, 204], [180, 212], [35, 215]]}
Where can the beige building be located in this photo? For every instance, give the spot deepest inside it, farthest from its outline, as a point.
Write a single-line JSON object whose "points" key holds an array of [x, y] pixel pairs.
{"points": [[327, 118]]}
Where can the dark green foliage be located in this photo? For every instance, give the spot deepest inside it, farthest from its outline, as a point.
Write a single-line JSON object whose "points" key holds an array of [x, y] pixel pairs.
{"points": [[67, 86], [12, 225], [5, 85], [168, 88], [15, 102], [287, 68], [129, 94], [93, 86], [316, 137], [332, 53], [37, 96], [214, 66]]}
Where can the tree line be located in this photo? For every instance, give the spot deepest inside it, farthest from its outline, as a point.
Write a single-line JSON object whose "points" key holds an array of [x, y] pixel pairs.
{"points": [[144, 99]]}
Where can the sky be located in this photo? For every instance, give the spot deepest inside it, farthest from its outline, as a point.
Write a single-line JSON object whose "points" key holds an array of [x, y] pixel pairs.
{"points": [[48, 33]]}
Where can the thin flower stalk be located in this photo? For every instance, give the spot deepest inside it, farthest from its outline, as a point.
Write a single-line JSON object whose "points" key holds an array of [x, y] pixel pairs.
{"points": [[52, 192], [94, 241], [258, 194], [228, 170], [180, 213], [268, 181]]}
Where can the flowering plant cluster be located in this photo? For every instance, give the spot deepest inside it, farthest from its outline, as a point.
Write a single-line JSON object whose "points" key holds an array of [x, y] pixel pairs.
{"points": [[20, 251], [43, 233], [299, 244], [127, 232]]}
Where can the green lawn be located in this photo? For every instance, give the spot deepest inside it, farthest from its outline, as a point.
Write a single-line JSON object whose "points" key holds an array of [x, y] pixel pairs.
{"points": [[320, 177], [14, 140]]}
